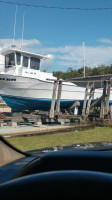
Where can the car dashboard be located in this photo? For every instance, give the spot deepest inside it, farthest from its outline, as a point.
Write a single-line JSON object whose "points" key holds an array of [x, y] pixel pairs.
{"points": [[58, 175]]}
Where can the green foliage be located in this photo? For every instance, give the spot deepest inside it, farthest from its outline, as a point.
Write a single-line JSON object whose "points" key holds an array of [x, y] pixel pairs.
{"points": [[71, 73]]}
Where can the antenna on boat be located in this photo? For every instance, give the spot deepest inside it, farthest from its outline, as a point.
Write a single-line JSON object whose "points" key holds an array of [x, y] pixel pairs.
{"points": [[14, 28], [84, 57], [22, 31]]}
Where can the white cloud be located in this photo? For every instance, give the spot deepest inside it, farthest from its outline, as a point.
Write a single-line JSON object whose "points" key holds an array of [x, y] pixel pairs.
{"points": [[7, 43], [63, 57], [72, 56], [98, 55], [105, 41]]}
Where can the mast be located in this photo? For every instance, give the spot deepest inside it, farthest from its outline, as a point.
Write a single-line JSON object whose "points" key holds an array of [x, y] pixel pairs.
{"points": [[15, 26], [22, 30], [84, 58]]}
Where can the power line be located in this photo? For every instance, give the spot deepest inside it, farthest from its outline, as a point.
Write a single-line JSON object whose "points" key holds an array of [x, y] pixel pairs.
{"points": [[54, 7]]}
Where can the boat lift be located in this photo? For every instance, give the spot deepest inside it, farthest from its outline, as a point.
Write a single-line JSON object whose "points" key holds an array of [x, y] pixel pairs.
{"points": [[105, 108], [56, 116]]}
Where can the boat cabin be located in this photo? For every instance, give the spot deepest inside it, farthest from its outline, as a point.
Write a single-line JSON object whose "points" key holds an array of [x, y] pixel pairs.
{"points": [[21, 62]]}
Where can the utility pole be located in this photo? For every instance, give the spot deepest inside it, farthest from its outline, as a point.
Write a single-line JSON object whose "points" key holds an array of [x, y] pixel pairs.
{"points": [[84, 57]]}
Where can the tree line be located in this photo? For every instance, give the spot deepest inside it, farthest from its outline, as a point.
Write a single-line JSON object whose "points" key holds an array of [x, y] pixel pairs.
{"points": [[71, 73]]}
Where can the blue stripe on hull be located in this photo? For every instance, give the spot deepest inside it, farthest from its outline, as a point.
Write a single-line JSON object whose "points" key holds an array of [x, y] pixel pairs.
{"points": [[19, 104]]}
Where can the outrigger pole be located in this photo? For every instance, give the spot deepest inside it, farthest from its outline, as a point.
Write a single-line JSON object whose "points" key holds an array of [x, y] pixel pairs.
{"points": [[15, 26]]}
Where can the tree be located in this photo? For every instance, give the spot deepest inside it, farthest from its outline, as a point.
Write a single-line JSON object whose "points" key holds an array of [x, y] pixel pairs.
{"points": [[101, 70]]}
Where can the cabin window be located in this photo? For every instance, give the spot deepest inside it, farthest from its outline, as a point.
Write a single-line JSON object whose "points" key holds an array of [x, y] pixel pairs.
{"points": [[18, 58], [25, 61], [9, 60], [34, 63]]}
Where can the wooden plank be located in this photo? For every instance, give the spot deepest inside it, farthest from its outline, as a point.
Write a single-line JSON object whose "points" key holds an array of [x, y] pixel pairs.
{"points": [[108, 85], [59, 96], [79, 80], [92, 78], [111, 111], [89, 100], [85, 101], [51, 114], [102, 111], [83, 81], [75, 104], [96, 102]]}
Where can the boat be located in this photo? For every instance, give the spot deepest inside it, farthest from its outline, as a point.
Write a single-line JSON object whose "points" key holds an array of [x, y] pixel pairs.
{"points": [[23, 86]]}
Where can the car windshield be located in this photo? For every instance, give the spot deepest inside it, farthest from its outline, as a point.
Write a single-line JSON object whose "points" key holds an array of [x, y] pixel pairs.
{"points": [[63, 99]]}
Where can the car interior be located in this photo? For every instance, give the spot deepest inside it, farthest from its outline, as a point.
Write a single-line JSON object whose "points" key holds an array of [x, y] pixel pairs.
{"points": [[65, 174]]}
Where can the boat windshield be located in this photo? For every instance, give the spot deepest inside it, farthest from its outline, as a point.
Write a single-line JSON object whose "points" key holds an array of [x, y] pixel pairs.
{"points": [[34, 63], [18, 58], [9, 60], [25, 61]]}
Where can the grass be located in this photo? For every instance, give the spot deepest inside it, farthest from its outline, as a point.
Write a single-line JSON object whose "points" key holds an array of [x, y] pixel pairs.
{"points": [[36, 142]]}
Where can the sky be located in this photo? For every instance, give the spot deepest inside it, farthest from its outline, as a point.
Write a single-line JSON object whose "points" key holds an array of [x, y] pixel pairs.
{"points": [[60, 33]]}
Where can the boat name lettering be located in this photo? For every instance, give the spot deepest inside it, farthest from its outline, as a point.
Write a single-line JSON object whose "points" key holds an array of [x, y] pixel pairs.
{"points": [[8, 79], [2, 79]]}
